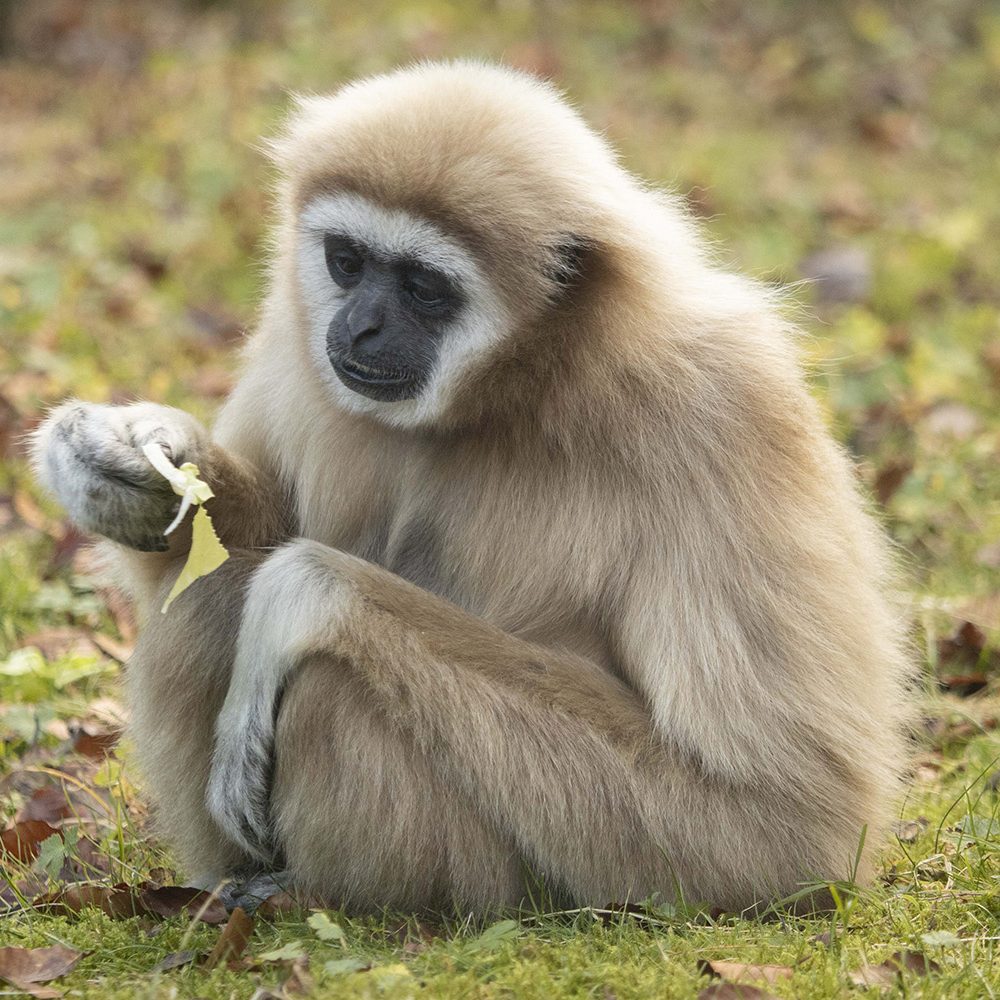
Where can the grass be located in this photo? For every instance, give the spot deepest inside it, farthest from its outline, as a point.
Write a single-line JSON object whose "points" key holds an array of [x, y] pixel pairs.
{"points": [[132, 213]]}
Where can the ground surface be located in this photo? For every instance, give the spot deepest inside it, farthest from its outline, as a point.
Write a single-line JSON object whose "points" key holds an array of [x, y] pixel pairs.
{"points": [[850, 143]]}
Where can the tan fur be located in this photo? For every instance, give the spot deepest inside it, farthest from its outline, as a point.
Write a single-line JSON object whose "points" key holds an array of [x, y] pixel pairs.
{"points": [[658, 651]]}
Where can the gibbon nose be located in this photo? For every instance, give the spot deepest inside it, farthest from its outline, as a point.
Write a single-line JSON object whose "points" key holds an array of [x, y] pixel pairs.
{"points": [[365, 320]]}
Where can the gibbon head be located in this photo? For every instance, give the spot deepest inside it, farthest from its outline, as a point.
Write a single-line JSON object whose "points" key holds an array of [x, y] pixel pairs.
{"points": [[440, 224]]}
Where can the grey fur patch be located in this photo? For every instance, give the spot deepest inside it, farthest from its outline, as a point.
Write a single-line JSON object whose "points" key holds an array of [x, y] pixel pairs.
{"points": [[415, 553]]}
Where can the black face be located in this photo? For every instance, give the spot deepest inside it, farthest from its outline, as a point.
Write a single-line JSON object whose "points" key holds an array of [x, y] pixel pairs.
{"points": [[384, 339]]}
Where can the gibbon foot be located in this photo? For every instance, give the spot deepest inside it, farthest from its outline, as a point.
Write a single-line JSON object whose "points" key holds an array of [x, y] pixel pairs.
{"points": [[249, 887]]}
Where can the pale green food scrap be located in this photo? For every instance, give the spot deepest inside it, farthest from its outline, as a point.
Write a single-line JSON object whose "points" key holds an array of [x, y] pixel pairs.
{"points": [[207, 552]]}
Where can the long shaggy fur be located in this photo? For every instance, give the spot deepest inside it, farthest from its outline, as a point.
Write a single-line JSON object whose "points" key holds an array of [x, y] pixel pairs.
{"points": [[605, 608]]}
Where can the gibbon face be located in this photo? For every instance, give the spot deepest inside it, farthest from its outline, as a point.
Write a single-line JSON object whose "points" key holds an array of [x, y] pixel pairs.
{"points": [[396, 308], [383, 340]]}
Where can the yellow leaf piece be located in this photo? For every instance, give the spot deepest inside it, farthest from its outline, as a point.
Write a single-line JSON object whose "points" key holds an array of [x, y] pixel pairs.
{"points": [[207, 553], [183, 481]]}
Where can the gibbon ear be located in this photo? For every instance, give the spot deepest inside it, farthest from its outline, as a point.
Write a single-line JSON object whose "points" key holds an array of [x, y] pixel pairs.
{"points": [[567, 259]]}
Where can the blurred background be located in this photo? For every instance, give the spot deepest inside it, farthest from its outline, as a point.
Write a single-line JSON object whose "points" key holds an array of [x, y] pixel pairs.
{"points": [[849, 149]]}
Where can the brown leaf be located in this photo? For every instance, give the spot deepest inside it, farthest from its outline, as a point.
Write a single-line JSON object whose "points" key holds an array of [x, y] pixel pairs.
{"points": [[23, 967], [740, 972], [94, 742], [114, 901], [174, 961], [233, 940], [734, 991], [21, 841], [47, 804], [889, 478], [965, 644], [963, 685], [174, 900], [888, 973], [122, 901]]}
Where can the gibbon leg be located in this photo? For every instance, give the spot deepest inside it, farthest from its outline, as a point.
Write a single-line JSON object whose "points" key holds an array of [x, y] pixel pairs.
{"points": [[176, 682], [553, 752], [362, 817]]}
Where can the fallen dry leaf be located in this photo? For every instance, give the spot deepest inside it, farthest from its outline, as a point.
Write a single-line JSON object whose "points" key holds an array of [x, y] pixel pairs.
{"points": [[888, 973], [963, 685], [233, 940], [122, 901], [115, 901], [24, 967], [22, 840], [174, 961], [740, 972], [47, 804], [964, 647], [888, 479], [94, 742], [174, 900]]}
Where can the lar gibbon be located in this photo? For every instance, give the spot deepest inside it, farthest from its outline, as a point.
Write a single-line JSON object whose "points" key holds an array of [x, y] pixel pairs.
{"points": [[544, 566]]}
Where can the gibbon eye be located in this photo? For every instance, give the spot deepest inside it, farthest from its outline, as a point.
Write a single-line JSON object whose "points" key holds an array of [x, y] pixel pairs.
{"points": [[343, 260], [426, 292], [348, 264]]}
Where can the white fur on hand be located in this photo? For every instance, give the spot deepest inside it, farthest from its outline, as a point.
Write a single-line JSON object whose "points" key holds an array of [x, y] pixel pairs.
{"points": [[90, 456]]}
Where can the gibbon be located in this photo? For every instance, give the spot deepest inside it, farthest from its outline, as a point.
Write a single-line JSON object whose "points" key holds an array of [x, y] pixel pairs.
{"points": [[544, 568]]}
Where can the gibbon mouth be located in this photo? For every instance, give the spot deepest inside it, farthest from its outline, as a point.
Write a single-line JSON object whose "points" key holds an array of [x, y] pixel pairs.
{"points": [[372, 374]]}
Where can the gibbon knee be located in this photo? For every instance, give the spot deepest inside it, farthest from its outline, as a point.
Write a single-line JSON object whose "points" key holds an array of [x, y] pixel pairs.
{"points": [[364, 818]]}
